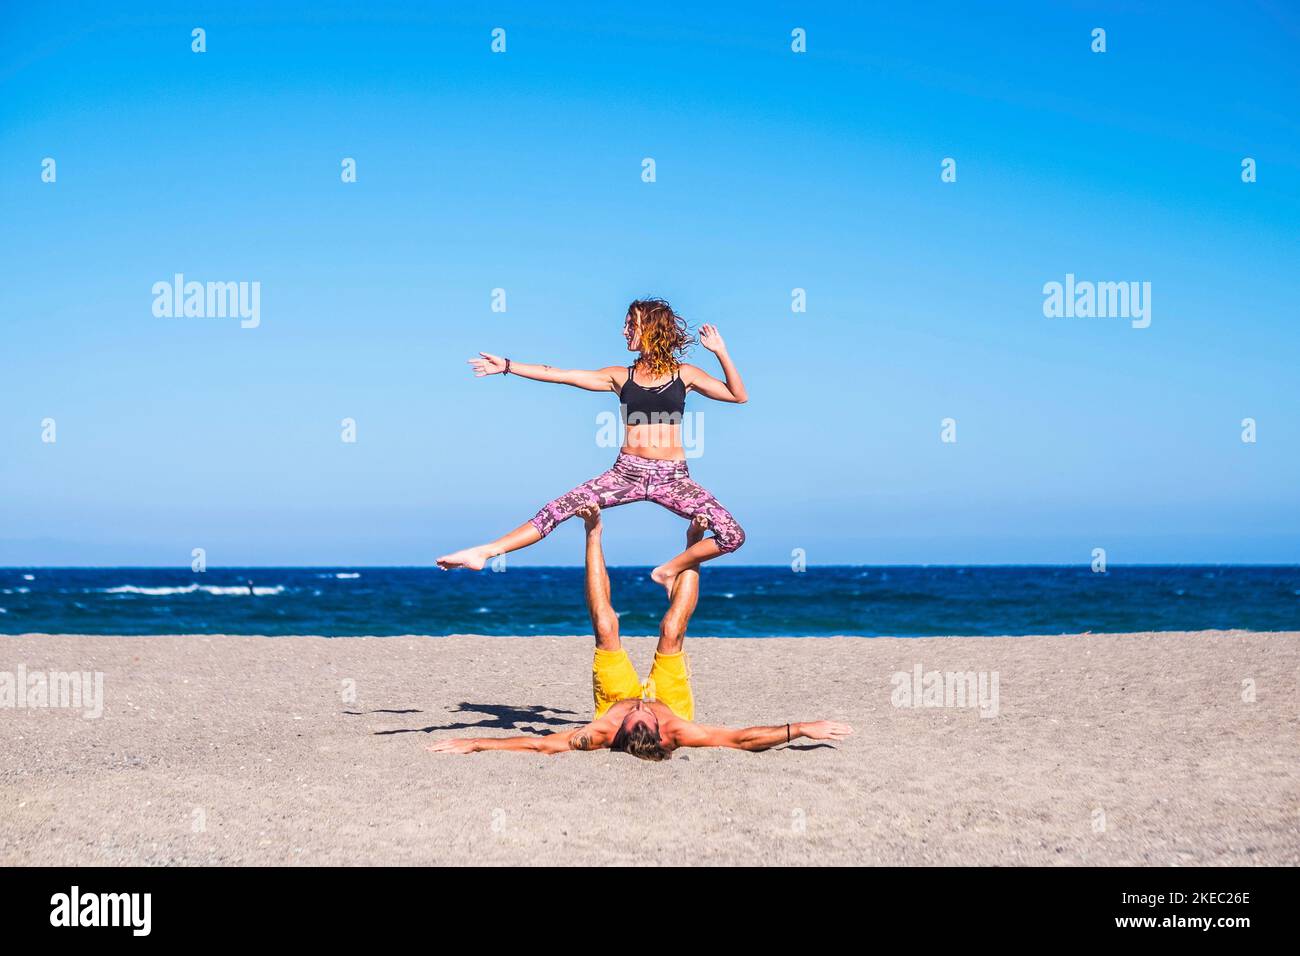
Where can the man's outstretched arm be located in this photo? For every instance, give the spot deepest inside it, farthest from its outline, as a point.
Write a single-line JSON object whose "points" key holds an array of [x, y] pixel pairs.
{"points": [[584, 738], [759, 738]]}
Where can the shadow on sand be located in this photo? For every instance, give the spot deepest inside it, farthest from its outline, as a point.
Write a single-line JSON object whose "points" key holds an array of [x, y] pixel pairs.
{"points": [[525, 719]]}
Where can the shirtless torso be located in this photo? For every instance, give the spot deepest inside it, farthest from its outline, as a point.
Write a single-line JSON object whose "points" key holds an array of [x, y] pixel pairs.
{"points": [[601, 732]]}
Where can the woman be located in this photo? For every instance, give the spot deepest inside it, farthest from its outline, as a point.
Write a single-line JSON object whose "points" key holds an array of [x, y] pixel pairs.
{"points": [[651, 466]]}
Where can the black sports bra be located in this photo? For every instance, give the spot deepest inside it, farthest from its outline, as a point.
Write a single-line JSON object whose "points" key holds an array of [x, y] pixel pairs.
{"points": [[648, 406]]}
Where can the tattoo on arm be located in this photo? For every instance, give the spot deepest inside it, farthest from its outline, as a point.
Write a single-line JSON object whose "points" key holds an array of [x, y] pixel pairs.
{"points": [[580, 741]]}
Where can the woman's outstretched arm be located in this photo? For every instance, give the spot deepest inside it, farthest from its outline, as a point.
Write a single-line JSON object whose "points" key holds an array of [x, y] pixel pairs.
{"points": [[733, 389], [593, 380]]}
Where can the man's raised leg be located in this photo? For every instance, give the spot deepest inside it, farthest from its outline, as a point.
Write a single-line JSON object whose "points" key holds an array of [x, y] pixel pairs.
{"points": [[613, 678], [604, 622], [671, 674]]}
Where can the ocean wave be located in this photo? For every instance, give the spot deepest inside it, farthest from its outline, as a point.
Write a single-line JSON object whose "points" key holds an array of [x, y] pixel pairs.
{"points": [[29, 577], [153, 592], [232, 590], [29, 591], [342, 576]]}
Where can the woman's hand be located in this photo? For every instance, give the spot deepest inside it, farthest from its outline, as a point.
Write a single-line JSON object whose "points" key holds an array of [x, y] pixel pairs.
{"points": [[733, 389], [711, 339], [488, 365]]}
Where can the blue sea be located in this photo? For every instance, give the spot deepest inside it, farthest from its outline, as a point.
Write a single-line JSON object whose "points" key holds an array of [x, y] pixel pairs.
{"points": [[734, 602]]}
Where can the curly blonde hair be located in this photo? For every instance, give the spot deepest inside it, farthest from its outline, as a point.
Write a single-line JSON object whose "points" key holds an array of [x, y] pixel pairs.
{"points": [[664, 335]]}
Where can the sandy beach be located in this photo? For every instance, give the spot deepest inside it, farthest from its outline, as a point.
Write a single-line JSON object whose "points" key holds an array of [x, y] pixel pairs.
{"points": [[1147, 749]]}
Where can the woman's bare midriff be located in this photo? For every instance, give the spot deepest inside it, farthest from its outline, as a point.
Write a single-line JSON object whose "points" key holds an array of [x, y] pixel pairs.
{"points": [[659, 441]]}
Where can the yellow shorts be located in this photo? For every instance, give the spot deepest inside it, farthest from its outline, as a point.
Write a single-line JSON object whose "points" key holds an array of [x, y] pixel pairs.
{"points": [[613, 678]]}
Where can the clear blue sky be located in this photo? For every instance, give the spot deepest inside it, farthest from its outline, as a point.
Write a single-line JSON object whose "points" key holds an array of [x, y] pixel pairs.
{"points": [[775, 171]]}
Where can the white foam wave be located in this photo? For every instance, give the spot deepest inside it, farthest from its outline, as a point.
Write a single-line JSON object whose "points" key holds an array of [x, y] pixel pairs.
{"points": [[233, 590], [154, 592]]}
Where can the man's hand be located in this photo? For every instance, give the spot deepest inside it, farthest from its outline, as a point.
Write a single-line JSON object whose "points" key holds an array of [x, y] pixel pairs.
{"points": [[825, 730], [711, 339], [461, 745], [590, 515], [695, 530]]}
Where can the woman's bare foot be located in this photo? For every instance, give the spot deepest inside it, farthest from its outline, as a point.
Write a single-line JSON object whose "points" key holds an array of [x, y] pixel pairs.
{"points": [[661, 575], [470, 558], [694, 534]]}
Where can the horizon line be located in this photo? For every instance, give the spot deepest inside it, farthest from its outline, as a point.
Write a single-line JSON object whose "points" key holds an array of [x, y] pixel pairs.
{"points": [[543, 567]]}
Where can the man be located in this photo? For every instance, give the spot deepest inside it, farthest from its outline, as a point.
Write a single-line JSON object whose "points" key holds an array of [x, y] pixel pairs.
{"points": [[649, 721]]}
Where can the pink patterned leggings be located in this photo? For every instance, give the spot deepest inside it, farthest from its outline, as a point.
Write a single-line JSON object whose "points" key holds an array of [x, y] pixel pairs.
{"points": [[632, 478]]}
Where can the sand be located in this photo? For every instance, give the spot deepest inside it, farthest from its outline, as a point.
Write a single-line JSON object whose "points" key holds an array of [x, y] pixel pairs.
{"points": [[1105, 749]]}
